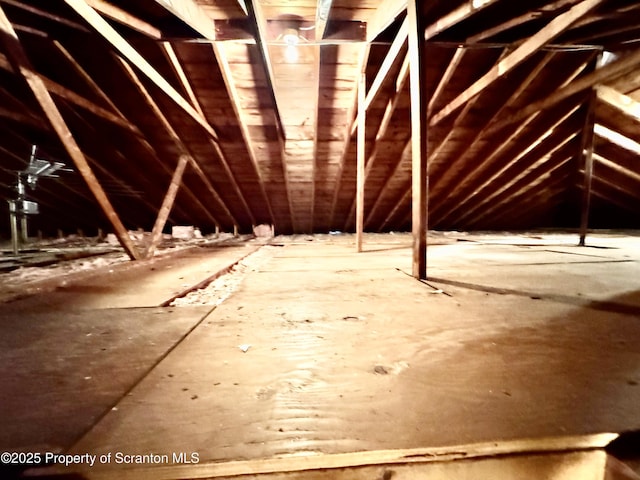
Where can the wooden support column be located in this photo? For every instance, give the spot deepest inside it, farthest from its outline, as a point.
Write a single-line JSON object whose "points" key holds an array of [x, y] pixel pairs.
{"points": [[586, 152], [419, 170], [360, 161], [21, 63], [167, 204]]}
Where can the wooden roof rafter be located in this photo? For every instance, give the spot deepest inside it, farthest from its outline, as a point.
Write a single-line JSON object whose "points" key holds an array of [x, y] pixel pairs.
{"points": [[621, 102], [22, 64], [196, 17], [531, 190], [549, 9], [476, 181], [47, 15], [186, 84], [95, 88], [386, 13], [389, 60], [530, 46], [98, 91], [510, 181], [259, 25], [401, 204], [458, 15], [406, 151], [617, 139], [119, 43], [125, 18], [182, 148], [605, 74], [614, 193], [75, 99], [352, 114], [232, 90], [629, 174], [451, 176]]}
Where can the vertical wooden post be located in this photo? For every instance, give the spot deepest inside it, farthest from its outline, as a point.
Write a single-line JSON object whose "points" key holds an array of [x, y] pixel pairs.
{"points": [[419, 171], [586, 152], [360, 161], [21, 63], [167, 204]]}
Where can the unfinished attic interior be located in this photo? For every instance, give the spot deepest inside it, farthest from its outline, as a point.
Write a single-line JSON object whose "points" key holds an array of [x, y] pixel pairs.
{"points": [[320, 239]]}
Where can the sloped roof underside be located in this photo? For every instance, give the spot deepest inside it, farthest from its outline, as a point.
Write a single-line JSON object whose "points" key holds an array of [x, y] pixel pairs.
{"points": [[269, 129]]}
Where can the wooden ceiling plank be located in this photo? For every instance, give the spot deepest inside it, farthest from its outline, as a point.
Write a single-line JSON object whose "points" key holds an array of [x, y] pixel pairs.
{"points": [[604, 74], [22, 64], [259, 24], [461, 13], [182, 148], [227, 76], [125, 18], [554, 28], [117, 41]]}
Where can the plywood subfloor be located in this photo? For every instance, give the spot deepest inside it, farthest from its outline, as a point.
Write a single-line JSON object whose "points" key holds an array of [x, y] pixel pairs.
{"points": [[345, 352]]}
